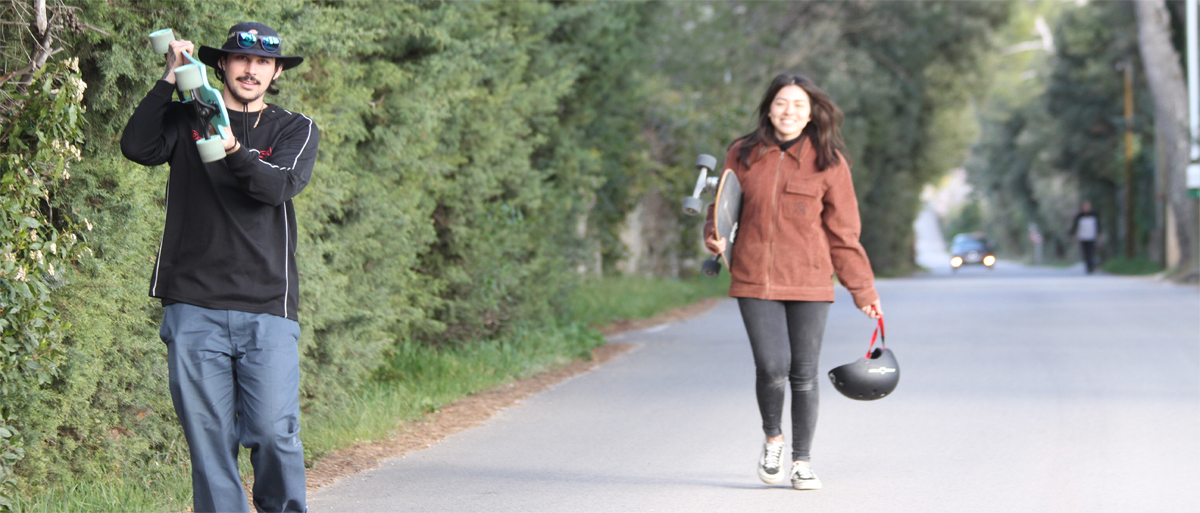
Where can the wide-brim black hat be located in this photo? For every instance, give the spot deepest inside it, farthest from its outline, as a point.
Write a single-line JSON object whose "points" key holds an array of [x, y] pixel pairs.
{"points": [[210, 56]]}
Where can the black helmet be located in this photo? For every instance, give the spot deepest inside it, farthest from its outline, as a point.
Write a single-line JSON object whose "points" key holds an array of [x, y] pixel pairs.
{"points": [[871, 377]]}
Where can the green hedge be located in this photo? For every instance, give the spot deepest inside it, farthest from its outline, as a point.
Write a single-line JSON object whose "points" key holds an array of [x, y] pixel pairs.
{"points": [[453, 172]]}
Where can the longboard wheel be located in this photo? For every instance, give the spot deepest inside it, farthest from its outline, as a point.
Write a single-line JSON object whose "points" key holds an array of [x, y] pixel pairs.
{"points": [[692, 206], [160, 40], [711, 267], [211, 149], [706, 161], [188, 77]]}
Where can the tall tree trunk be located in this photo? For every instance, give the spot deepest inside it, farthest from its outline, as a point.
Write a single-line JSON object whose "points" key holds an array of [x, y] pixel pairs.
{"points": [[1165, 78]]}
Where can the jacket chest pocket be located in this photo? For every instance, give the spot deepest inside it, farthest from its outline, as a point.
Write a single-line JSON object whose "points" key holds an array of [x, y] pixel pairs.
{"points": [[802, 198]]}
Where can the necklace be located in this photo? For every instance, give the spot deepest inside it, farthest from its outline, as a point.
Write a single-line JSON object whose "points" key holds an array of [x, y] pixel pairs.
{"points": [[259, 117]]}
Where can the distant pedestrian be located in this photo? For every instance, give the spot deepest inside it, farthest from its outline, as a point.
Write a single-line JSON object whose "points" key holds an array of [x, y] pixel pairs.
{"points": [[799, 226], [1086, 229], [226, 271]]}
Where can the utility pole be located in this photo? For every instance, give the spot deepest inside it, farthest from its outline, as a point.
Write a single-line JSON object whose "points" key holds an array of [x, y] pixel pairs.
{"points": [[1193, 86], [1129, 234]]}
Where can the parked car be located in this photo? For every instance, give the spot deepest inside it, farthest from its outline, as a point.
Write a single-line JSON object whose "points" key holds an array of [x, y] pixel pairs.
{"points": [[971, 249]]}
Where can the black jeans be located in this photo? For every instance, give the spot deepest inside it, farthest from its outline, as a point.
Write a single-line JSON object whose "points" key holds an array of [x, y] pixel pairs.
{"points": [[1088, 248], [785, 337]]}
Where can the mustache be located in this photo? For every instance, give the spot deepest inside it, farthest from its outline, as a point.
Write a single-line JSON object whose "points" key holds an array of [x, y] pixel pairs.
{"points": [[250, 78]]}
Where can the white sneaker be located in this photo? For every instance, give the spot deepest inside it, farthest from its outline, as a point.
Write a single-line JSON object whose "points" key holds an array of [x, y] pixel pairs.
{"points": [[803, 477], [770, 464]]}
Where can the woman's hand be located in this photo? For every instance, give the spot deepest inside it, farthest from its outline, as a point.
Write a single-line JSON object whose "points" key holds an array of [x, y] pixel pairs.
{"points": [[713, 244], [873, 310]]}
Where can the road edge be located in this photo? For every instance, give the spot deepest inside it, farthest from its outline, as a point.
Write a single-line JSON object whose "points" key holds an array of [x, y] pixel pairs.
{"points": [[474, 410]]}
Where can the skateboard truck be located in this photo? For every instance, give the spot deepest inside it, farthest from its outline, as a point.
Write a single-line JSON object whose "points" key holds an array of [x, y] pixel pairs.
{"points": [[711, 267], [192, 81], [692, 205]]}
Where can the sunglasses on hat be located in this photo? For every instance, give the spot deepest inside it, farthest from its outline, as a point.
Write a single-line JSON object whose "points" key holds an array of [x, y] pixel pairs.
{"points": [[247, 40]]}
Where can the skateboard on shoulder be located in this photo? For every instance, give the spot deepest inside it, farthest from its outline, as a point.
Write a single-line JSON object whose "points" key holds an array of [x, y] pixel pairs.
{"points": [[192, 81], [726, 214]]}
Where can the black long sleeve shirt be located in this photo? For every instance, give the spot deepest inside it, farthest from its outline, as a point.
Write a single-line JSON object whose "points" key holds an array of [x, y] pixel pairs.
{"points": [[229, 241]]}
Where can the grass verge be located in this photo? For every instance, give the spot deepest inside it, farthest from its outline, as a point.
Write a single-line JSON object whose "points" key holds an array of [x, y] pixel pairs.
{"points": [[171, 490], [415, 381], [1134, 266], [599, 302]]}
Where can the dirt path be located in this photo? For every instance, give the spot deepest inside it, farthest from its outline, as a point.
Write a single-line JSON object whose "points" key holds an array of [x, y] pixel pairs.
{"points": [[474, 410]]}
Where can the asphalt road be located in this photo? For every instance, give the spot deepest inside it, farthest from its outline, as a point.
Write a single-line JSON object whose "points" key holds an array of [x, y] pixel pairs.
{"points": [[1022, 390]]}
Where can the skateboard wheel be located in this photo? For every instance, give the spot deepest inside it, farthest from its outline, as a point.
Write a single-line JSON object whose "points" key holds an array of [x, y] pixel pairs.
{"points": [[211, 149], [706, 161], [711, 267], [188, 77], [160, 40], [692, 206]]}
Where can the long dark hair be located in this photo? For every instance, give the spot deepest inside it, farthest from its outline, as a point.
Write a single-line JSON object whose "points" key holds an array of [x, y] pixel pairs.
{"points": [[824, 128]]}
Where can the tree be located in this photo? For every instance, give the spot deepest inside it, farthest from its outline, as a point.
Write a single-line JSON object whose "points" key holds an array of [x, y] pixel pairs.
{"points": [[1165, 77], [901, 71], [1052, 125]]}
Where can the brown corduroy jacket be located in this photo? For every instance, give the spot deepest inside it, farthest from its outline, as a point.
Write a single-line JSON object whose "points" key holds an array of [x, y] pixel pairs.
{"points": [[799, 227]]}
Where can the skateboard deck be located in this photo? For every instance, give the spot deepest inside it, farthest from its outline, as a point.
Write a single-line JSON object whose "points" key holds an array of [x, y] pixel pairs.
{"points": [[727, 213], [212, 96], [206, 99]]}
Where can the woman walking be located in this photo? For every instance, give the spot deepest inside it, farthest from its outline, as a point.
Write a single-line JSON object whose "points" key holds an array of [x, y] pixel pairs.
{"points": [[799, 226]]}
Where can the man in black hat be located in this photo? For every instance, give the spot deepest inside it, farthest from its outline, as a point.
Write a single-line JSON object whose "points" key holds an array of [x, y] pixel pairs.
{"points": [[226, 270]]}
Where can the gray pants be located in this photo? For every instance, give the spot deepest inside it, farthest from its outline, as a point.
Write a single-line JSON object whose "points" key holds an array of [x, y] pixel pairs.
{"points": [[785, 337], [235, 378]]}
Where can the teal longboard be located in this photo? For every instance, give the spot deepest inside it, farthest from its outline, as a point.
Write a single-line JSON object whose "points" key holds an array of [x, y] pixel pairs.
{"points": [[192, 81]]}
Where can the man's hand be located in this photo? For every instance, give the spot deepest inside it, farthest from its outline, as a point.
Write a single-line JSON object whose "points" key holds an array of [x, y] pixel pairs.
{"points": [[230, 142], [175, 58]]}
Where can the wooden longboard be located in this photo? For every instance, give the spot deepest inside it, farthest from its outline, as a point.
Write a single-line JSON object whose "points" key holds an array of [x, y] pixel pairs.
{"points": [[727, 213]]}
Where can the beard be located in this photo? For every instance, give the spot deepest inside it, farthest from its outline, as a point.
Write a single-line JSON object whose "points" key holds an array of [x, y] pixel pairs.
{"points": [[241, 96]]}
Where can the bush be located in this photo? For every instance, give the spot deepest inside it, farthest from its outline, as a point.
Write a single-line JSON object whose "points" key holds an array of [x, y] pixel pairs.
{"points": [[40, 127]]}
